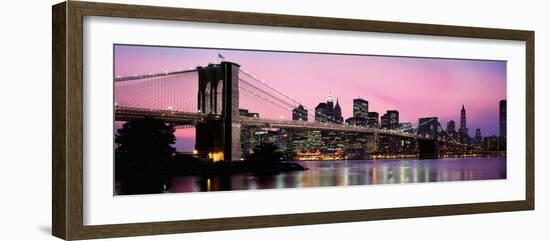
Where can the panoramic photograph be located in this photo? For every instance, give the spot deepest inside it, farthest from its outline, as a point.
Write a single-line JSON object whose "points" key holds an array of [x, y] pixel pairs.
{"points": [[202, 119]]}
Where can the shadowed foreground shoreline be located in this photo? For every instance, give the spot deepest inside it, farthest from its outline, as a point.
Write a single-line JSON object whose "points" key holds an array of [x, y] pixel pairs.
{"points": [[158, 179]]}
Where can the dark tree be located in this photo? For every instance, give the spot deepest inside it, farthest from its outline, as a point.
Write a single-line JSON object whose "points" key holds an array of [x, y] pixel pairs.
{"points": [[266, 159], [143, 155], [267, 152]]}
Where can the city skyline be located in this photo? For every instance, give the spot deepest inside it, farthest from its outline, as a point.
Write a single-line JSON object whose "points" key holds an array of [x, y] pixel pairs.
{"points": [[207, 120], [390, 119], [416, 87]]}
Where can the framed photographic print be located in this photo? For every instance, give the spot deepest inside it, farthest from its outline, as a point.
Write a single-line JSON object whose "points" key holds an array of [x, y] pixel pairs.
{"points": [[170, 120]]}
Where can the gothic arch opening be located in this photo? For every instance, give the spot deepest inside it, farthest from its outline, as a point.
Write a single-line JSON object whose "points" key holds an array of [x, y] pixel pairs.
{"points": [[207, 99], [219, 98]]}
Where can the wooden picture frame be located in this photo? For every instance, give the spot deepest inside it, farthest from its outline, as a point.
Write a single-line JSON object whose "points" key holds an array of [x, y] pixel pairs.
{"points": [[67, 159]]}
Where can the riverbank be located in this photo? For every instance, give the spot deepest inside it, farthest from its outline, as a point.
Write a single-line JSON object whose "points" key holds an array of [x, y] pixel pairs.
{"points": [[410, 157], [186, 165]]}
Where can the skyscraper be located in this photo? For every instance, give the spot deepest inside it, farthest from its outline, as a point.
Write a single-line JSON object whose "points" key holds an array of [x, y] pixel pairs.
{"points": [[478, 138], [360, 112], [372, 120], [321, 114], [327, 112], [385, 121], [451, 126], [394, 118], [360, 108], [330, 101], [299, 113], [463, 131], [463, 127], [390, 120], [356, 121], [502, 118], [337, 114], [451, 130]]}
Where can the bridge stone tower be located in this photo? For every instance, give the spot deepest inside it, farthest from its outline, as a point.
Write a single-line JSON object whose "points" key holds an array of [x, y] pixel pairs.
{"points": [[428, 148], [219, 136]]}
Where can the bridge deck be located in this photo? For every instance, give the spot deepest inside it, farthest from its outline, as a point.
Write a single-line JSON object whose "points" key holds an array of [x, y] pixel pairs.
{"points": [[176, 117], [293, 124], [188, 118]]}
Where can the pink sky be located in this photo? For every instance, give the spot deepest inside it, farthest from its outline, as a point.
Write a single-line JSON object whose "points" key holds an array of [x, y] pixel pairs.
{"points": [[416, 87]]}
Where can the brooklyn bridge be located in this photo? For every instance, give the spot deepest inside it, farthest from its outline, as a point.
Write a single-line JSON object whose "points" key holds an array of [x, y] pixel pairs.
{"points": [[208, 98]]}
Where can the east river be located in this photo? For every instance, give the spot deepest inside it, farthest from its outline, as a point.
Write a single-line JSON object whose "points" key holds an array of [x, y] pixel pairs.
{"points": [[357, 172]]}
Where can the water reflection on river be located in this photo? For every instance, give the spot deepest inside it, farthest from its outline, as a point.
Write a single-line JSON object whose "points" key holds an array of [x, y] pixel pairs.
{"points": [[360, 172]]}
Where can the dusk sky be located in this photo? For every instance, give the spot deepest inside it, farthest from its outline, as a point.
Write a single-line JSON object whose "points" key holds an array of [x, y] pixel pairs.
{"points": [[416, 87]]}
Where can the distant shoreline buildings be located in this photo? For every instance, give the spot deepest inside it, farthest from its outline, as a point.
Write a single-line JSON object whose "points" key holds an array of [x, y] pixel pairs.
{"points": [[332, 144]]}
